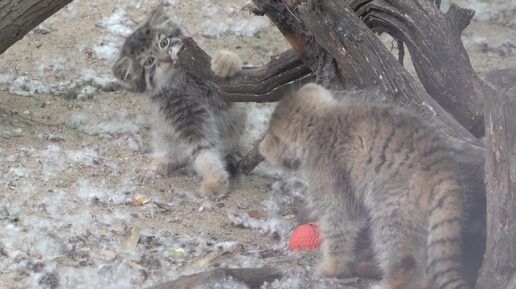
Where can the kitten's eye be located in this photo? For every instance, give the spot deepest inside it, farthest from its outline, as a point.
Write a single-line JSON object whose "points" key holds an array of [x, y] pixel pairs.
{"points": [[149, 61], [164, 43], [176, 42]]}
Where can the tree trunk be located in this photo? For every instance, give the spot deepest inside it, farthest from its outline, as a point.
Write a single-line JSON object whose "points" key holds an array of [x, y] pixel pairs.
{"points": [[441, 62], [499, 266], [362, 60], [18, 17]]}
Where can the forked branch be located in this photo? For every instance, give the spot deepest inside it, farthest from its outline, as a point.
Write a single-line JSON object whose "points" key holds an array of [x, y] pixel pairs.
{"points": [[262, 84]]}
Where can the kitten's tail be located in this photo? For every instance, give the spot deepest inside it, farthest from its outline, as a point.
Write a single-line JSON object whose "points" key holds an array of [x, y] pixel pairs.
{"points": [[444, 237]]}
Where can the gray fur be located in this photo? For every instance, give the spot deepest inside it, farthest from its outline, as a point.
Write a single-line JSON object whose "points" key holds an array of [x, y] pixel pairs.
{"points": [[376, 167], [192, 124]]}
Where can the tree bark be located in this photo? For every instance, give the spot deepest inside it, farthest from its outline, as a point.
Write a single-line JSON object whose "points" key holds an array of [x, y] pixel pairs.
{"points": [[499, 266], [362, 60], [440, 59], [18, 17], [267, 83]]}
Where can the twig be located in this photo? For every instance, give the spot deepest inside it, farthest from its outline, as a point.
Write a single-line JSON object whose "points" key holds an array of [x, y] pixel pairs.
{"points": [[401, 51]]}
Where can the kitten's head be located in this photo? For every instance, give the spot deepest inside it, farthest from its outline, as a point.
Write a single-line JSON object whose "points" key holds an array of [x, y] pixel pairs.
{"points": [[284, 143], [147, 56]]}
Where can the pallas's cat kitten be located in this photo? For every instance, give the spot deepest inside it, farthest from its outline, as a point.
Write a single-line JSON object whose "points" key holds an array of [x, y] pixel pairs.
{"points": [[377, 166], [192, 124]]}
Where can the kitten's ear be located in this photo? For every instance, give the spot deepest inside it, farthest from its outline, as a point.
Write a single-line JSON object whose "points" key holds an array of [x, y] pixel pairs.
{"points": [[121, 68], [129, 73], [313, 95], [279, 154], [161, 19], [158, 15]]}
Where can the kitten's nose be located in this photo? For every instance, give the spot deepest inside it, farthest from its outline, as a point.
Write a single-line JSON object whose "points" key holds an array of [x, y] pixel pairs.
{"points": [[164, 57]]}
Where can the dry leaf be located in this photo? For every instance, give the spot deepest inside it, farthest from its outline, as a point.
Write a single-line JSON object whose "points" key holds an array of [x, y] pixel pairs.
{"points": [[175, 251], [218, 256], [140, 201], [255, 214]]}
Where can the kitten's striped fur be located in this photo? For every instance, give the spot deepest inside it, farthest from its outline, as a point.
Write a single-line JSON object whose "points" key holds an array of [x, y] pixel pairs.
{"points": [[191, 123], [376, 166]]}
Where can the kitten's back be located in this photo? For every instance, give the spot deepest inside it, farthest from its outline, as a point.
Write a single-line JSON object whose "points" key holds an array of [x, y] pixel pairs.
{"points": [[400, 169]]}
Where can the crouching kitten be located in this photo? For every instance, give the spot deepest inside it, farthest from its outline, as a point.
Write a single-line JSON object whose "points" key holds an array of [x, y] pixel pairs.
{"points": [[192, 125], [376, 166]]}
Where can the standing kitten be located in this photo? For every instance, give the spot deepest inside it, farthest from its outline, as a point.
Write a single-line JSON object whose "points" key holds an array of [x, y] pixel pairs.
{"points": [[378, 166], [192, 124]]}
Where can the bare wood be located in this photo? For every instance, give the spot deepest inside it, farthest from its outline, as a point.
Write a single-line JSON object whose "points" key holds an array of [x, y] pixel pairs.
{"points": [[262, 84], [440, 59], [293, 30], [251, 160], [252, 277], [499, 267], [366, 63], [363, 58], [401, 51], [18, 17]]}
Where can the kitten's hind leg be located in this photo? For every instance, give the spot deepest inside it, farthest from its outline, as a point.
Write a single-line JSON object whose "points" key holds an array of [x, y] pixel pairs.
{"points": [[164, 164], [339, 232], [400, 250], [211, 167]]}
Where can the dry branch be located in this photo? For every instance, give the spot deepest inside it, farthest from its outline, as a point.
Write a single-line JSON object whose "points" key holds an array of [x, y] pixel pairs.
{"points": [[293, 30], [250, 160], [441, 62], [252, 277], [363, 61], [18, 17], [263, 84]]}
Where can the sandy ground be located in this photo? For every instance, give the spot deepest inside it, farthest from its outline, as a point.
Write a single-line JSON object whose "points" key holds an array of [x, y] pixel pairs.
{"points": [[79, 209]]}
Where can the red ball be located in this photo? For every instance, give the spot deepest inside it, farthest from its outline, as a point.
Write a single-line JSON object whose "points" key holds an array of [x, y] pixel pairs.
{"points": [[306, 236]]}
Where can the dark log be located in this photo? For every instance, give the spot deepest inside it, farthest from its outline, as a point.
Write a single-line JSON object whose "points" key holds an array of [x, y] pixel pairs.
{"points": [[363, 61], [252, 277], [18, 17], [440, 59], [503, 79], [293, 30], [499, 266], [401, 51], [268, 83]]}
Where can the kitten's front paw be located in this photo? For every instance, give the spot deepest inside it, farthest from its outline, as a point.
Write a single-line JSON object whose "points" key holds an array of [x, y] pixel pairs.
{"points": [[174, 49], [163, 166], [225, 64], [215, 187], [367, 269], [332, 266]]}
